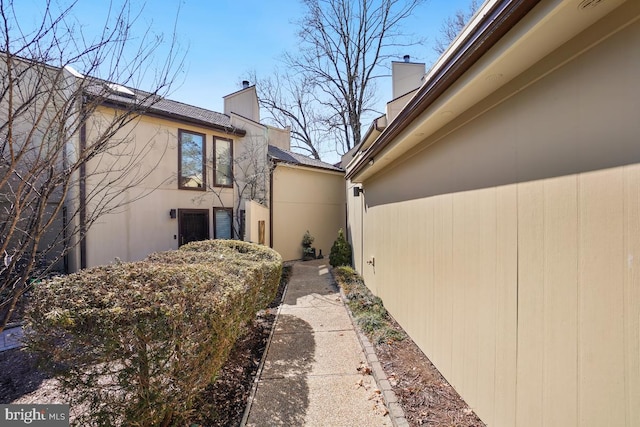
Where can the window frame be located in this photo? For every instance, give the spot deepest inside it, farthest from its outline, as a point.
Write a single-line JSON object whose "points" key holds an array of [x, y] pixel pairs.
{"points": [[215, 161], [215, 226], [204, 161]]}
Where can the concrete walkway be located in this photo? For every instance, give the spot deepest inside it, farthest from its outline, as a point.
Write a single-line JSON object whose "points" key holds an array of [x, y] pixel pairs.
{"points": [[310, 376]]}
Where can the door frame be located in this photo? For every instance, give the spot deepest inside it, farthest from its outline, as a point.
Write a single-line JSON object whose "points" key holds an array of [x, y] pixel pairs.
{"points": [[181, 212]]}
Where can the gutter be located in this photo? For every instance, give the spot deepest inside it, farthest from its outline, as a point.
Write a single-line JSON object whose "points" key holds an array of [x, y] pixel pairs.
{"points": [[494, 25]]}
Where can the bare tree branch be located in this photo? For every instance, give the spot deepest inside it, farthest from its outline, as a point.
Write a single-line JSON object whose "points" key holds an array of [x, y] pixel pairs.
{"points": [[65, 160], [330, 86], [453, 25]]}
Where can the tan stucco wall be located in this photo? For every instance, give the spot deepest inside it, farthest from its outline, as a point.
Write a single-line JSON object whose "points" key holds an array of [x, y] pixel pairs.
{"points": [[406, 77], [144, 226], [280, 138], [255, 213], [244, 103], [508, 245], [306, 199]]}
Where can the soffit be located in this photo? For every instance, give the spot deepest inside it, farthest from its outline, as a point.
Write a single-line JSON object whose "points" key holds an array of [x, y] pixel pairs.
{"points": [[546, 27]]}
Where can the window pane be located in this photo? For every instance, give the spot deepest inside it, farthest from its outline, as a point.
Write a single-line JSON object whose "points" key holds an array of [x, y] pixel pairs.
{"points": [[224, 162], [191, 155], [223, 223]]}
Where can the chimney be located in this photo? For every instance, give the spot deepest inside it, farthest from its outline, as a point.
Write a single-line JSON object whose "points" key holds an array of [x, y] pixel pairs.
{"points": [[245, 84], [406, 76]]}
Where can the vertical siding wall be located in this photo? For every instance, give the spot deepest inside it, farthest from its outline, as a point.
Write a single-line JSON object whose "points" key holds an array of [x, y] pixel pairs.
{"points": [[510, 249], [526, 297]]}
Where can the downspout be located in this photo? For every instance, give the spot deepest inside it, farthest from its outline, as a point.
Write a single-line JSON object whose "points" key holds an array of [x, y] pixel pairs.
{"points": [[271, 171], [83, 197], [362, 207]]}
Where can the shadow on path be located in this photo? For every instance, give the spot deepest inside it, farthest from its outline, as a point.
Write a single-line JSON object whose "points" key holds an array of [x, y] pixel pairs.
{"points": [[283, 395]]}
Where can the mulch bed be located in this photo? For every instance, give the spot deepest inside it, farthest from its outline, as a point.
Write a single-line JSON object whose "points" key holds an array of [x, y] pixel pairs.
{"points": [[425, 396]]}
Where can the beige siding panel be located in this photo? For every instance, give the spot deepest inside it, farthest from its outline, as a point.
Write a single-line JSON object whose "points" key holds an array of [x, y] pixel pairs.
{"points": [[559, 399], [506, 304], [441, 351], [470, 285], [632, 295], [370, 244], [484, 295], [385, 222], [601, 299], [459, 279], [530, 304], [355, 214], [419, 231]]}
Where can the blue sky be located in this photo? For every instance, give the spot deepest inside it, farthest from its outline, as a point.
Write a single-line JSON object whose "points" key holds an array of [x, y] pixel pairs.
{"points": [[227, 39]]}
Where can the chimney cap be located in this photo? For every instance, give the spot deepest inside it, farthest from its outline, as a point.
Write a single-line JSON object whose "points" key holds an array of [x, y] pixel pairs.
{"points": [[407, 58]]}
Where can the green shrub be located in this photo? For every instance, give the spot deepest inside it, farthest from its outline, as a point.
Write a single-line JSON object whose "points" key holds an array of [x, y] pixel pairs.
{"points": [[134, 343], [340, 251]]}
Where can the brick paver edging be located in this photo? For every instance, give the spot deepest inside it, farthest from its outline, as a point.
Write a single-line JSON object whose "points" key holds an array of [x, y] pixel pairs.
{"points": [[396, 413]]}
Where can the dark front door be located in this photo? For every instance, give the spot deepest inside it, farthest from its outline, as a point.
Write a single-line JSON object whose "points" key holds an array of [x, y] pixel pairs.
{"points": [[193, 225]]}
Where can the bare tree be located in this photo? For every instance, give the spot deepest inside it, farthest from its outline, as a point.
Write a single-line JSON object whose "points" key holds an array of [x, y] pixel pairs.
{"points": [[248, 174], [453, 25], [289, 103], [331, 83], [65, 160]]}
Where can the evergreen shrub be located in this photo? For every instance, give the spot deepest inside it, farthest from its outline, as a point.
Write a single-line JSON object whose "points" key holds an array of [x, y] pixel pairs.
{"points": [[340, 251]]}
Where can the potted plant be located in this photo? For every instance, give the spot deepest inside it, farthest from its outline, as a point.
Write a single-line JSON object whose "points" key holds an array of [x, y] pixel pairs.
{"points": [[308, 252]]}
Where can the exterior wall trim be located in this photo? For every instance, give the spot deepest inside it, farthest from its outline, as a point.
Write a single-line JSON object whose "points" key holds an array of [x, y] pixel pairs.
{"points": [[493, 26]]}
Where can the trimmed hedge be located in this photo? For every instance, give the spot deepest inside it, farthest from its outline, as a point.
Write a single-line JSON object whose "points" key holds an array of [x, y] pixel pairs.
{"points": [[134, 343]]}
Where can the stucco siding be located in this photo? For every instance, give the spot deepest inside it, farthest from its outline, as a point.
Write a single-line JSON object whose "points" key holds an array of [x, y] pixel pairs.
{"points": [[508, 245], [306, 199], [142, 224], [257, 213]]}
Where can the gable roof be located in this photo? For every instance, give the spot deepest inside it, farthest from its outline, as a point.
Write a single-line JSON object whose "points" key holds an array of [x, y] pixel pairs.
{"points": [[163, 107], [289, 157]]}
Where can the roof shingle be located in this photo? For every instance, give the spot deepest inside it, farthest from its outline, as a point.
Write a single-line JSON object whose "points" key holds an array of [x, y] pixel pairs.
{"points": [[290, 157]]}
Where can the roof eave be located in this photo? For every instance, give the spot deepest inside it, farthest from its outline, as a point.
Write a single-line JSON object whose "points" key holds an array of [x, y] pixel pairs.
{"points": [[178, 117], [487, 31], [301, 166]]}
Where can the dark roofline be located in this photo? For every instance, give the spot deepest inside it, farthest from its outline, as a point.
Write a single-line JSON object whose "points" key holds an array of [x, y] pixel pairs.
{"points": [[494, 25], [313, 163], [329, 168], [147, 111], [153, 112]]}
